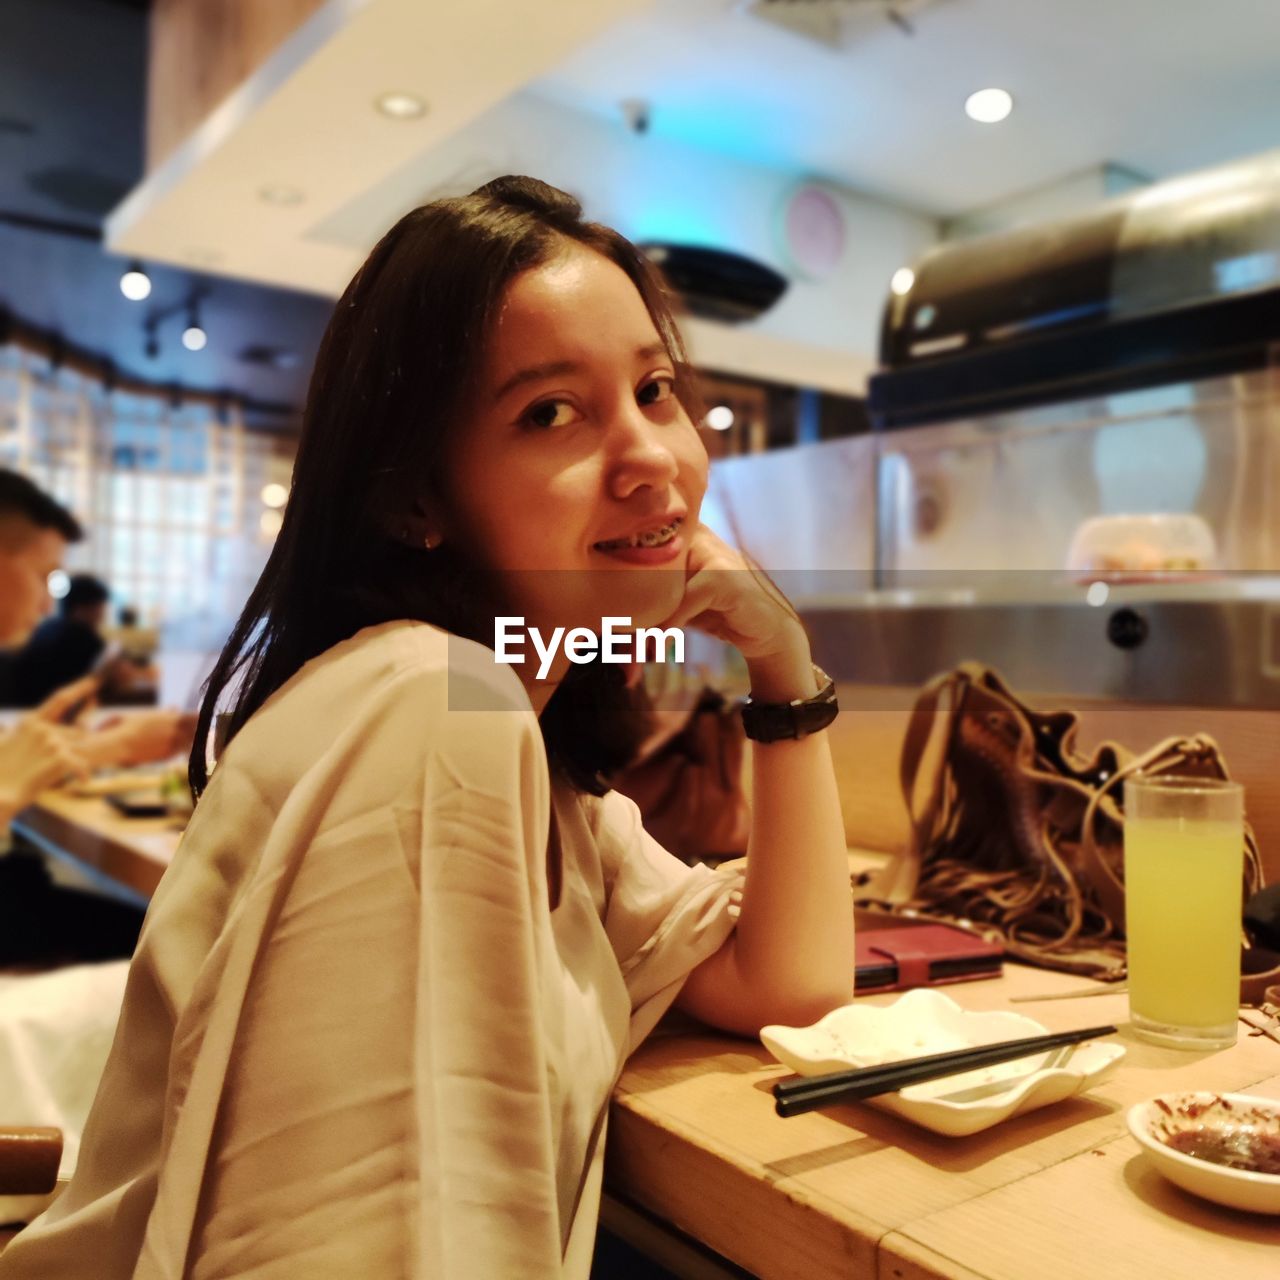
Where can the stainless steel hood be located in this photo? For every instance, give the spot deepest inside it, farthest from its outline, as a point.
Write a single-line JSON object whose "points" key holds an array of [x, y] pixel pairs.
{"points": [[1176, 282]]}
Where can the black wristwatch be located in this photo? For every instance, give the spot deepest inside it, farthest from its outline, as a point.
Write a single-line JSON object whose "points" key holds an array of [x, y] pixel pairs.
{"points": [[775, 721]]}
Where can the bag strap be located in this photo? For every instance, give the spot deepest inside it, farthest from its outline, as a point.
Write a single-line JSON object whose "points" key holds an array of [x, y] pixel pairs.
{"points": [[903, 875], [1107, 885], [1165, 757]]}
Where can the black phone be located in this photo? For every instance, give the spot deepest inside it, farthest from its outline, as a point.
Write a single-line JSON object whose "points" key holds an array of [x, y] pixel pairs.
{"points": [[146, 802]]}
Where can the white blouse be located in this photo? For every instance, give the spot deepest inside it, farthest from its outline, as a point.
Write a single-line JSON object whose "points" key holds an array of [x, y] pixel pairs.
{"points": [[356, 1039]]}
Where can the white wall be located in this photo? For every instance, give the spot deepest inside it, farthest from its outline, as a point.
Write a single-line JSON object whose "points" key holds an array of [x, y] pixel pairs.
{"points": [[1076, 193], [658, 189]]}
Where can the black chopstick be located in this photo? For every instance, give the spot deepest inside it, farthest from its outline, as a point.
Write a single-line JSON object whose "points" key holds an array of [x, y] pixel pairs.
{"points": [[791, 1097]]}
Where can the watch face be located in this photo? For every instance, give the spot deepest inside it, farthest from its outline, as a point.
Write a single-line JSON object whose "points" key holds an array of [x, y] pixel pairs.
{"points": [[813, 232]]}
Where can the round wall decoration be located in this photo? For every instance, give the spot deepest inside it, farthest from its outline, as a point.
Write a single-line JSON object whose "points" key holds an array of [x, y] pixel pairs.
{"points": [[812, 231]]}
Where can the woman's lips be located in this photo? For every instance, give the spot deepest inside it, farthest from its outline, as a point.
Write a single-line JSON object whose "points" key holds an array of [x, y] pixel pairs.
{"points": [[664, 554], [648, 537]]}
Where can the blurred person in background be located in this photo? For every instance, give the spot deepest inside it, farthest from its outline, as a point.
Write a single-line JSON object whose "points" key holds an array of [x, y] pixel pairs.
{"points": [[72, 644], [134, 677], [35, 532], [42, 923], [63, 950], [64, 647], [55, 1026], [137, 643], [38, 750]]}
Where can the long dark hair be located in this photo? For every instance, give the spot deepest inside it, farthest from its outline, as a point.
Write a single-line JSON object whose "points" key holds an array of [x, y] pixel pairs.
{"points": [[396, 368]]}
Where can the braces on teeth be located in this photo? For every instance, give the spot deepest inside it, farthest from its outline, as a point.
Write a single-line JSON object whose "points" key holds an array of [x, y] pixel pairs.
{"points": [[653, 538]]}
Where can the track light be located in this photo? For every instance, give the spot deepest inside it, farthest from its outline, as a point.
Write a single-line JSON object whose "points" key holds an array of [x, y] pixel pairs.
{"points": [[135, 284], [194, 337]]}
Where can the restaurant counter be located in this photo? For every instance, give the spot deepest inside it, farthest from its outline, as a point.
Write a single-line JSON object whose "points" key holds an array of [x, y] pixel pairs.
{"points": [[697, 1154]]}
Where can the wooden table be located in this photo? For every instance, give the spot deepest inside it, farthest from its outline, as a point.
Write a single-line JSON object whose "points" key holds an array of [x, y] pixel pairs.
{"points": [[1059, 1193], [129, 854], [1062, 1193]]}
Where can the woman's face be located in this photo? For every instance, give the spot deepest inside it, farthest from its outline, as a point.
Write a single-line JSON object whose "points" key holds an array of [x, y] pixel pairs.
{"points": [[578, 476]]}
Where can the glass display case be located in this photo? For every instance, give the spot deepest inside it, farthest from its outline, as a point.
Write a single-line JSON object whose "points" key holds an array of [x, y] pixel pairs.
{"points": [[1075, 465]]}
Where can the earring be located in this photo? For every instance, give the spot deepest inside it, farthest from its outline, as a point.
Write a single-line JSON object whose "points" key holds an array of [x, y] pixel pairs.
{"points": [[432, 541]]}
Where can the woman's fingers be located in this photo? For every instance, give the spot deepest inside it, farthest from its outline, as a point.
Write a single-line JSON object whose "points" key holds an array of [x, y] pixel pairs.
{"points": [[43, 755], [58, 705], [141, 739], [65, 764], [700, 594]]}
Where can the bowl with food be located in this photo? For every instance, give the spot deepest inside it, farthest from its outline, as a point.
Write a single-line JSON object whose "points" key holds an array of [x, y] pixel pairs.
{"points": [[1142, 548], [1224, 1147]]}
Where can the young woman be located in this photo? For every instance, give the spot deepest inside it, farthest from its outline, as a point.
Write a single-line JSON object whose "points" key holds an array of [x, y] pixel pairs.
{"points": [[386, 987]]}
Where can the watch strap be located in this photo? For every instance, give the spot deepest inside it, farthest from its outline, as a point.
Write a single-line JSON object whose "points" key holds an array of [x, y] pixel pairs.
{"points": [[778, 721]]}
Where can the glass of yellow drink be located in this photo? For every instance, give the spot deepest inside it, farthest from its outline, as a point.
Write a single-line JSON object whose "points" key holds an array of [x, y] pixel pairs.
{"points": [[1183, 870]]}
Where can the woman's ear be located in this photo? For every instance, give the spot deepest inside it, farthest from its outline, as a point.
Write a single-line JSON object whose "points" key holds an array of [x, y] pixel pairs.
{"points": [[418, 527]]}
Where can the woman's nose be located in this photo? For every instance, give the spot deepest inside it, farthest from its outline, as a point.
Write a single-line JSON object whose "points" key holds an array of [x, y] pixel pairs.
{"points": [[640, 453]]}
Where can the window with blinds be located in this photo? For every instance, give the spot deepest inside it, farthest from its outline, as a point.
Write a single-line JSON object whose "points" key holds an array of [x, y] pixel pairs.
{"points": [[168, 492]]}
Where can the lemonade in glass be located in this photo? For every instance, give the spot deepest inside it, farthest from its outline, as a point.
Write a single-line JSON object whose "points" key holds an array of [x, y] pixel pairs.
{"points": [[1183, 867]]}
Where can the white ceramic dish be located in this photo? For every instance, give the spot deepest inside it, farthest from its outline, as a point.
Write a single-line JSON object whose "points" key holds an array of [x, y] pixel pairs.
{"points": [[1143, 547], [1151, 1123], [926, 1021]]}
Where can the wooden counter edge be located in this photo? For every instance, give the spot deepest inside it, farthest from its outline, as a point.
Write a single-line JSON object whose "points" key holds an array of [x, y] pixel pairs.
{"points": [[57, 835], [773, 1225], [902, 1258]]}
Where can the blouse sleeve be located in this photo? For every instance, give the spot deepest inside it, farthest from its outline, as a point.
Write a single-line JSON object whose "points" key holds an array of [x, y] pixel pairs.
{"points": [[380, 1083], [663, 918]]}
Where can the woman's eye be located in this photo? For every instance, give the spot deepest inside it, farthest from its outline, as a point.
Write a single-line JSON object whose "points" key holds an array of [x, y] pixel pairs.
{"points": [[550, 413], [656, 391]]}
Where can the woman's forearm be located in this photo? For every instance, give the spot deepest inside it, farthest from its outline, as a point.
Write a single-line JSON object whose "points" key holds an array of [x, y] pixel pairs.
{"points": [[791, 957]]}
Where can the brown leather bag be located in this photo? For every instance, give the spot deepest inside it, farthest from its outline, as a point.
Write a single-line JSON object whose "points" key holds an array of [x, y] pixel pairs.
{"points": [[686, 779], [1017, 833]]}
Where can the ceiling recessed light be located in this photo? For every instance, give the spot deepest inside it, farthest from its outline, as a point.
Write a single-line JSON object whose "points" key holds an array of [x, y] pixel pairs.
{"points": [[135, 284], [903, 280], [988, 106], [274, 495], [401, 106], [719, 418], [280, 193]]}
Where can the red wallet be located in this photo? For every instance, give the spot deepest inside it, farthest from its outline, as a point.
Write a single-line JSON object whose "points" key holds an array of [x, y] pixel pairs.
{"points": [[921, 955]]}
